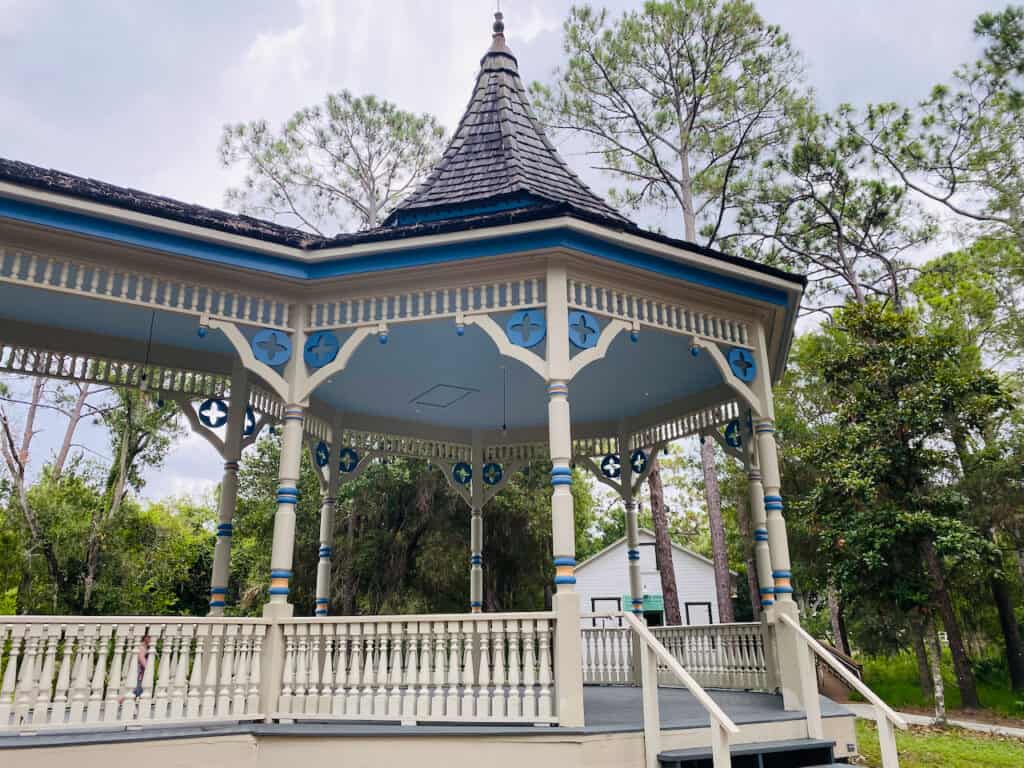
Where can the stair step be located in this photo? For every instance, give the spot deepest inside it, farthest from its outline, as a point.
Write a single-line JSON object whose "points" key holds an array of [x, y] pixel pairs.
{"points": [[791, 753]]}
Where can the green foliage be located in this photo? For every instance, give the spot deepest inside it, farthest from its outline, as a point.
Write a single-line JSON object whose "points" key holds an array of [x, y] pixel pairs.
{"points": [[935, 748], [347, 161]]}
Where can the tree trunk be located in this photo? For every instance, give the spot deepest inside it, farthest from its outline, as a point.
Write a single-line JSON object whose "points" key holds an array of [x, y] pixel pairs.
{"points": [[720, 555], [74, 419], [1011, 632], [663, 545], [935, 664], [917, 639], [941, 599], [743, 523], [835, 614]]}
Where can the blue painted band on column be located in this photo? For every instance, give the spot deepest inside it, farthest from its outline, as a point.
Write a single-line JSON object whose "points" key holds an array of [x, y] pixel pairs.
{"points": [[224, 529], [558, 389], [475, 604], [782, 574], [217, 603], [772, 498], [279, 573], [774, 506], [326, 552], [764, 428], [323, 600], [321, 611], [633, 554], [279, 590], [231, 466], [760, 537], [767, 590], [218, 590], [565, 561], [783, 590], [565, 579], [294, 414], [767, 602], [561, 481], [561, 476], [476, 559]]}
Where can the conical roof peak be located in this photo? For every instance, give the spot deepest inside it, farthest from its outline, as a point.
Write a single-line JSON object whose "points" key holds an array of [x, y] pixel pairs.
{"points": [[499, 157]]}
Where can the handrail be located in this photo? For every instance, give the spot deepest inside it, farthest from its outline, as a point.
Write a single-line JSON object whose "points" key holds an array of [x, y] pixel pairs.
{"points": [[685, 678], [848, 677], [884, 714]]}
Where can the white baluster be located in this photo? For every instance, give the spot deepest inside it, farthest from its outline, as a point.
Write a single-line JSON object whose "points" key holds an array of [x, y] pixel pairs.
{"points": [[95, 711], [498, 701], [252, 700], [285, 700], [62, 689], [209, 705], [467, 678], [341, 668], [193, 700], [395, 701], [440, 665], [28, 679], [146, 700], [454, 661], [544, 668], [514, 700], [366, 696], [355, 670], [83, 663], [184, 654], [313, 665], [8, 688], [380, 699], [410, 674], [327, 681], [161, 700], [529, 671], [483, 698], [42, 705], [423, 693], [240, 691]]}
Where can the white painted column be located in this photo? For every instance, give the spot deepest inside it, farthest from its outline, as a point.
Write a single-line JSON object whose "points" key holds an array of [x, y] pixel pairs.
{"points": [[283, 548], [762, 556], [636, 588], [237, 404], [565, 603], [325, 553], [476, 532]]}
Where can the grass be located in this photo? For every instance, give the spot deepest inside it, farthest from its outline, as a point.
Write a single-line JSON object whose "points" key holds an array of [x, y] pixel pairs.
{"points": [[895, 679], [942, 748]]}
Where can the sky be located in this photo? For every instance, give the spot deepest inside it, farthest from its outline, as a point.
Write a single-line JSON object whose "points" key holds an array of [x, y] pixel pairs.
{"points": [[137, 92]]}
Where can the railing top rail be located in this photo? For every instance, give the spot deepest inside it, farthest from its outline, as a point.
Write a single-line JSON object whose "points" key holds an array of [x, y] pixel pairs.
{"points": [[423, 617], [848, 677], [725, 625], [666, 658], [120, 620]]}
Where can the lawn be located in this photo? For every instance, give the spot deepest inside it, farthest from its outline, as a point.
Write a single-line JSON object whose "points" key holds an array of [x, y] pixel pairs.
{"points": [[942, 748], [894, 678]]}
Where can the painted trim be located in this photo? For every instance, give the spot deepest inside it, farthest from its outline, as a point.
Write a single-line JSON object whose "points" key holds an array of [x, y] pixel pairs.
{"points": [[558, 236]]}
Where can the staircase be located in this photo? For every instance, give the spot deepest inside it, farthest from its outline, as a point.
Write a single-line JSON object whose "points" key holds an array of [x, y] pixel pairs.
{"points": [[792, 753]]}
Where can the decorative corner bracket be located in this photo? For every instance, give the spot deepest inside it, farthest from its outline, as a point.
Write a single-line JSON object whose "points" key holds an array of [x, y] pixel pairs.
{"points": [[338, 364], [730, 378], [589, 464], [719, 438], [599, 350], [530, 359], [462, 490], [198, 427], [638, 479], [241, 344], [507, 472]]}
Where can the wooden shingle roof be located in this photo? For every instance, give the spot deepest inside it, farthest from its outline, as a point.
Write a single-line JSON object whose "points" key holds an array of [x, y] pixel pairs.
{"points": [[499, 156]]}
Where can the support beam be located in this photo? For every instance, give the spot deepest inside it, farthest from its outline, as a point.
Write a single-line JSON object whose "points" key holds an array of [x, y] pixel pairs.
{"points": [[636, 587], [231, 453], [476, 534], [565, 603], [326, 552]]}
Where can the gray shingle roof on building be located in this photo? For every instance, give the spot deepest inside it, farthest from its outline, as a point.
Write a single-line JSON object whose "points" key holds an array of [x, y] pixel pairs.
{"points": [[499, 153]]}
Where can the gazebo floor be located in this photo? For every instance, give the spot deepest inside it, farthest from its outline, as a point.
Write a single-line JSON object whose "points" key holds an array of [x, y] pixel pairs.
{"points": [[614, 725]]}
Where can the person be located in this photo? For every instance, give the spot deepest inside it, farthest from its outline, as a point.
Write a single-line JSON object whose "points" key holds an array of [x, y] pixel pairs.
{"points": [[143, 659]]}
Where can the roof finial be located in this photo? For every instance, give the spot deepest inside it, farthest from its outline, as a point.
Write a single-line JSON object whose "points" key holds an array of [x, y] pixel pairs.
{"points": [[499, 24]]}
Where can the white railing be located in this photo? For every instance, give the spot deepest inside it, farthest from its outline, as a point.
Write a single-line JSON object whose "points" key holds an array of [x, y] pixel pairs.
{"points": [[608, 655], [653, 654], [68, 672], [884, 714], [465, 668], [717, 655]]}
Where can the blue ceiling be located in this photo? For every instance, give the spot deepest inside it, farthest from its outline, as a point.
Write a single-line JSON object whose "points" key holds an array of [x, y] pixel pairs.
{"points": [[386, 380]]}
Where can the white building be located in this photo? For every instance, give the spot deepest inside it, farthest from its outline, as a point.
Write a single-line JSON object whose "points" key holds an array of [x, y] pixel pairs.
{"points": [[602, 582]]}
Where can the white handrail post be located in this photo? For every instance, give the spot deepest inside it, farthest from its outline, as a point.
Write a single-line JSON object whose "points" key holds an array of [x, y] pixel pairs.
{"points": [[809, 689], [720, 757], [886, 740], [652, 714]]}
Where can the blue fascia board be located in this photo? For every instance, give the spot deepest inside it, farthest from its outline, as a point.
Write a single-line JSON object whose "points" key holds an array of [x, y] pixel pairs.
{"points": [[243, 258]]}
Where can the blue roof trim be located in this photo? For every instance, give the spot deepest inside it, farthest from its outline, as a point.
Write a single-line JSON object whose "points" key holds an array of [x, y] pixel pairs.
{"points": [[380, 262], [414, 215]]}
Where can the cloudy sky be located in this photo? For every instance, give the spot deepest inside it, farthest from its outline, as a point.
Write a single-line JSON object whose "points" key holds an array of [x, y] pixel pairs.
{"points": [[136, 92]]}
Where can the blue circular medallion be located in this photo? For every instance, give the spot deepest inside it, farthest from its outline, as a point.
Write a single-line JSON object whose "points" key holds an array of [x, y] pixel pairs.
{"points": [[732, 434], [322, 454], [321, 348], [742, 364], [584, 330], [349, 460], [493, 473], [272, 347], [526, 328], [462, 473], [638, 460], [213, 413], [611, 466]]}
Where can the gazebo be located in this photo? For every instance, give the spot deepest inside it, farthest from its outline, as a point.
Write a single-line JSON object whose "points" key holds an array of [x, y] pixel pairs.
{"points": [[501, 272]]}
